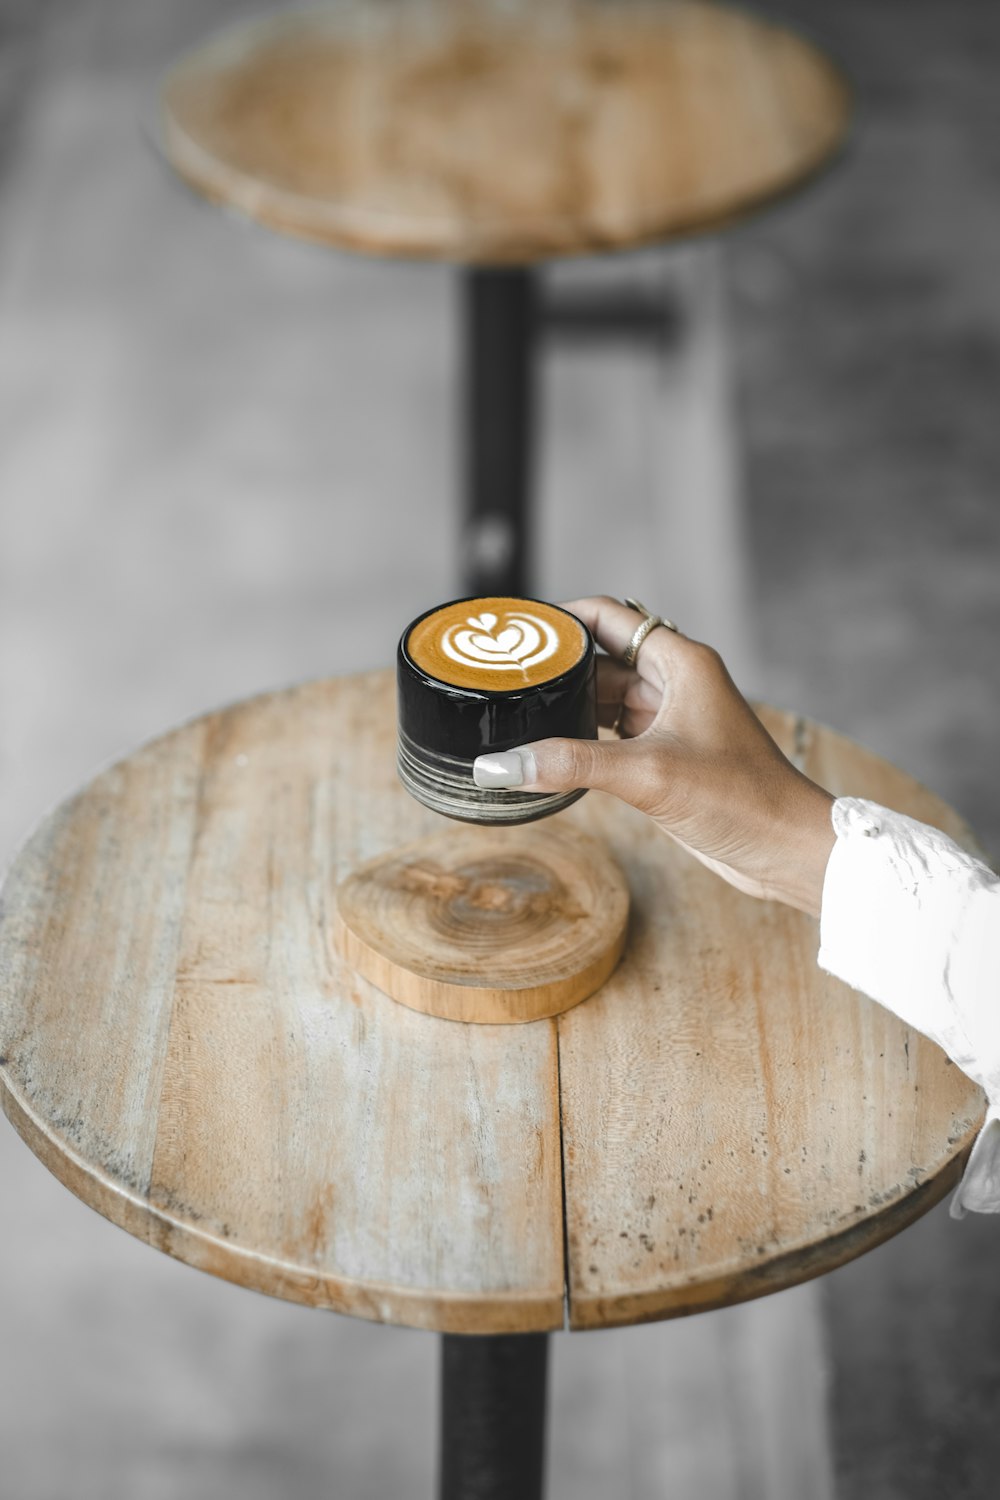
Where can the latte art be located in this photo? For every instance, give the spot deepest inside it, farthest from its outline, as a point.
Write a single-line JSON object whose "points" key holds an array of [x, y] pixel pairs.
{"points": [[518, 641], [497, 644]]}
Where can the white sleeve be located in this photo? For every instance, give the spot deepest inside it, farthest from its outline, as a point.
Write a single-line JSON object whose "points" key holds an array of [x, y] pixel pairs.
{"points": [[913, 921]]}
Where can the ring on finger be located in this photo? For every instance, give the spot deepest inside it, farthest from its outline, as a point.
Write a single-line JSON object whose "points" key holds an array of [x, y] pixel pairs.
{"points": [[649, 623]]}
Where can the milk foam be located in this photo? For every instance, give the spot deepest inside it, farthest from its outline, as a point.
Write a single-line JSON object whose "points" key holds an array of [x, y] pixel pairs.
{"points": [[499, 644], [489, 644]]}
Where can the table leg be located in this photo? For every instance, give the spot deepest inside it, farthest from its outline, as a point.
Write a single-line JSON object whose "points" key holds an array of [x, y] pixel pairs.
{"points": [[498, 330], [493, 1394]]}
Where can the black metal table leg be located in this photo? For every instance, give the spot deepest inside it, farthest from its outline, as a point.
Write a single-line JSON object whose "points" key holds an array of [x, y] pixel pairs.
{"points": [[493, 1399], [498, 318]]}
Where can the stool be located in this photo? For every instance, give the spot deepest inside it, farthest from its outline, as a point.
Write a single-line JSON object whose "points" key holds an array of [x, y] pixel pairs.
{"points": [[181, 1044], [495, 141]]}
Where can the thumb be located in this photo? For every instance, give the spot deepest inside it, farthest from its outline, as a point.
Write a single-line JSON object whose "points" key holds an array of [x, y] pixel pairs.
{"points": [[617, 766]]}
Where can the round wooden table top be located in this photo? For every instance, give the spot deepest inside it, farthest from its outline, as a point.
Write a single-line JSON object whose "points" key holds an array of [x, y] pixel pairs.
{"points": [[470, 133], [182, 1046]]}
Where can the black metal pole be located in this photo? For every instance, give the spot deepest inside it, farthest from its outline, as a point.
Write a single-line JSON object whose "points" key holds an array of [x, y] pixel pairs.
{"points": [[493, 1398], [498, 318]]}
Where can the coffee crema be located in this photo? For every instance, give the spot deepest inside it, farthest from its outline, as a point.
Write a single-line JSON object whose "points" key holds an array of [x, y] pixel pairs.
{"points": [[497, 645]]}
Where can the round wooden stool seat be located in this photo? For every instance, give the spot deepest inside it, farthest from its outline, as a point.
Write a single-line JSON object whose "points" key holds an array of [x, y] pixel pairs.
{"points": [[184, 1047], [455, 133]]}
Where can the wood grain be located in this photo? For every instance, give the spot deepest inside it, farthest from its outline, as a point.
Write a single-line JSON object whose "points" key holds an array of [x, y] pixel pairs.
{"points": [[734, 1121], [184, 1048], [460, 132], [181, 1044], [486, 925]]}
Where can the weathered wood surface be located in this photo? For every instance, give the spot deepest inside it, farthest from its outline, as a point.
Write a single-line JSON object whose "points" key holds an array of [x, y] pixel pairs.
{"points": [[181, 1045], [487, 925], [465, 132], [735, 1121], [184, 1048]]}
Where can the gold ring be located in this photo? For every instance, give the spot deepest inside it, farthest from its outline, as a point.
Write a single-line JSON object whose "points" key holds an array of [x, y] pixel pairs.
{"points": [[649, 623]]}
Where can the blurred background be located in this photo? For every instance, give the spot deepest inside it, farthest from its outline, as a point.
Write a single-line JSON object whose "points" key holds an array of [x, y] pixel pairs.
{"points": [[229, 461]]}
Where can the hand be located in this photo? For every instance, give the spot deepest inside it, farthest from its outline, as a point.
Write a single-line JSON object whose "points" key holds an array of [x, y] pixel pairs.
{"points": [[694, 756]]}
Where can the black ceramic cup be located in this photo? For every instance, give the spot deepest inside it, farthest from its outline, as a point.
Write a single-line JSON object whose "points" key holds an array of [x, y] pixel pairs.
{"points": [[490, 674]]}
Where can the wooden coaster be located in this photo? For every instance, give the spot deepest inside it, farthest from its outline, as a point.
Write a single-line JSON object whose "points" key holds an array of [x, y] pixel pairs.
{"points": [[487, 924]]}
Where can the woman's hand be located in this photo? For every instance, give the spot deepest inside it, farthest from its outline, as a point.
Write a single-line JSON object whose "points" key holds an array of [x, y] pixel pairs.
{"points": [[693, 756]]}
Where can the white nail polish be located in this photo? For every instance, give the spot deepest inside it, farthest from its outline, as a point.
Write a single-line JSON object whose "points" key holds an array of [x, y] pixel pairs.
{"points": [[499, 769]]}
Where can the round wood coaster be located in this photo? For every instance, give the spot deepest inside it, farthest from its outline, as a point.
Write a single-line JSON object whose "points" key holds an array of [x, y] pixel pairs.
{"points": [[487, 924]]}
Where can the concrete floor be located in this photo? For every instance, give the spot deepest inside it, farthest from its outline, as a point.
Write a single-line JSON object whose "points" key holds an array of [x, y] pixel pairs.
{"points": [[228, 462], [868, 358]]}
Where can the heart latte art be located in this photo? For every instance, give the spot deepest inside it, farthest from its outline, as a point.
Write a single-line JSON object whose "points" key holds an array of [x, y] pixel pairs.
{"points": [[497, 644], [521, 641]]}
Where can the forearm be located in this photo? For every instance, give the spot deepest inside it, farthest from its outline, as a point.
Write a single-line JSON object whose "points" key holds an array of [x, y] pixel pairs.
{"points": [[804, 838]]}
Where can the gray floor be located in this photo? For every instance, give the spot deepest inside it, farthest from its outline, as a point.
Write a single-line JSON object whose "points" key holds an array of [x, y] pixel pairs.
{"points": [[228, 462], [868, 327]]}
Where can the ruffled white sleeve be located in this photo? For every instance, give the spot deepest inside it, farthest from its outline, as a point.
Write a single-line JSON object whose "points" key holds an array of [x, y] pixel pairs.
{"points": [[913, 921]]}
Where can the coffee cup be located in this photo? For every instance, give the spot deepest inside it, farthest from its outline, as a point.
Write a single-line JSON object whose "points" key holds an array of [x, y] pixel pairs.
{"points": [[489, 674]]}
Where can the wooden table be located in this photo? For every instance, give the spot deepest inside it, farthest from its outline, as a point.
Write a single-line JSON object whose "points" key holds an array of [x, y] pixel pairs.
{"points": [[497, 136], [181, 1045], [477, 133]]}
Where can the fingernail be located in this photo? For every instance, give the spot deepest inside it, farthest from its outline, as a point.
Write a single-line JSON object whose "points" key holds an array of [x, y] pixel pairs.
{"points": [[504, 768]]}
